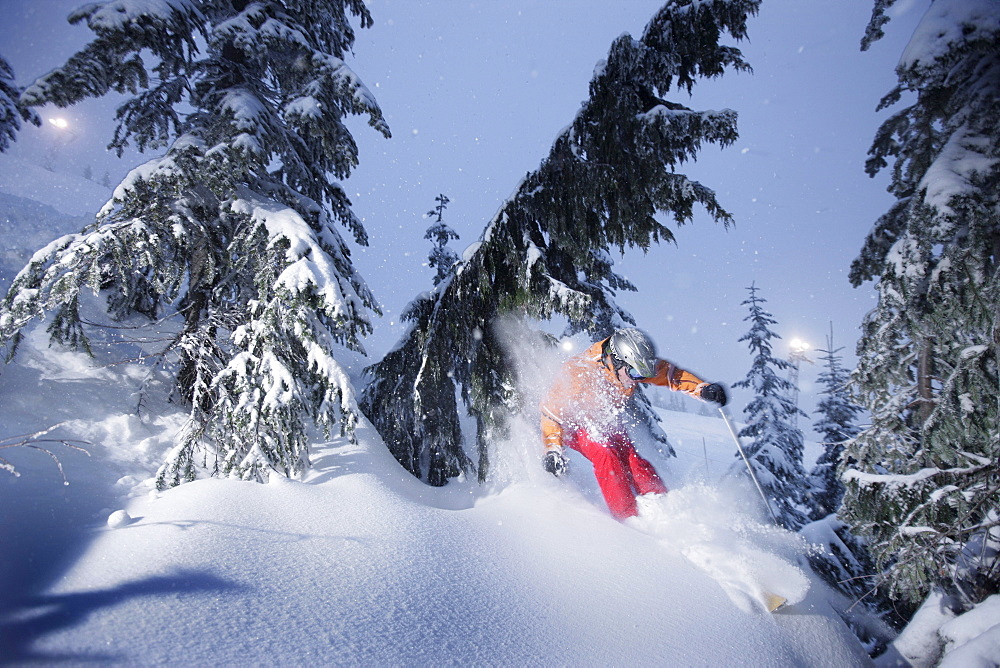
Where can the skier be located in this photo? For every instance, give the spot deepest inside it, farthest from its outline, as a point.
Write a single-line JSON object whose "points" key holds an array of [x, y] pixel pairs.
{"points": [[585, 409]]}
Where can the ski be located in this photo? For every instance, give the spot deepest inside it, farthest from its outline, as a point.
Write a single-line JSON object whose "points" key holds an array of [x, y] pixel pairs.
{"points": [[773, 602]]}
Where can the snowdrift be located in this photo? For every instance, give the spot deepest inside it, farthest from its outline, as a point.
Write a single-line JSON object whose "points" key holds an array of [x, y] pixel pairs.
{"points": [[359, 563]]}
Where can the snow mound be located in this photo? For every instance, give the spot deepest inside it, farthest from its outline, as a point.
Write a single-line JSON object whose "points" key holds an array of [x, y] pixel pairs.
{"points": [[936, 636], [361, 564], [118, 519]]}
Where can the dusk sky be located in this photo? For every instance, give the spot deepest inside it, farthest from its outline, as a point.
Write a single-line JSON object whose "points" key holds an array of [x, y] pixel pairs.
{"points": [[476, 92]]}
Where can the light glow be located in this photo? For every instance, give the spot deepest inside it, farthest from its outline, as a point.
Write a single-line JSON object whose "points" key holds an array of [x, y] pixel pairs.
{"points": [[798, 346], [60, 123]]}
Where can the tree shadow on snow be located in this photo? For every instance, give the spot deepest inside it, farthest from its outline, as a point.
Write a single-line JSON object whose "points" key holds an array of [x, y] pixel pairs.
{"points": [[340, 457], [46, 525], [47, 614]]}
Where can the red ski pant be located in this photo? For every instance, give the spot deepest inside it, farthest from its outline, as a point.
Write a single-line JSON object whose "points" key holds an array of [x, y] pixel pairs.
{"points": [[621, 472]]}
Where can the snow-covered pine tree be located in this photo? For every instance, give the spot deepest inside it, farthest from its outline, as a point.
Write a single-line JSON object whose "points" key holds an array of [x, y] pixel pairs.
{"points": [[230, 233], [840, 557], [836, 425], [548, 249], [11, 113], [775, 444], [442, 257], [424, 447], [925, 483]]}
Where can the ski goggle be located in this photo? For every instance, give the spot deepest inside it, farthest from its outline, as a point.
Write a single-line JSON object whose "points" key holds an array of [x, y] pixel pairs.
{"points": [[634, 374]]}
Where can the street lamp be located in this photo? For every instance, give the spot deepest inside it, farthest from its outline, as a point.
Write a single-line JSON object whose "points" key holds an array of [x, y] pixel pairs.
{"points": [[796, 355], [64, 134]]}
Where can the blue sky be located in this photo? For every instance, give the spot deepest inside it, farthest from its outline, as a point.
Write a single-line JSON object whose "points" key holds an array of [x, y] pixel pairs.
{"points": [[475, 93]]}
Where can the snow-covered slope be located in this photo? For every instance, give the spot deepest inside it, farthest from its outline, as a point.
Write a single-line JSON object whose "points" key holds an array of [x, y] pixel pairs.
{"points": [[26, 226], [67, 193], [361, 564], [37, 206]]}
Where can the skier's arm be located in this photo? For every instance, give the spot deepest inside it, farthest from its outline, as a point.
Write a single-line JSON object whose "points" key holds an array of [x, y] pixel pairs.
{"points": [[552, 407], [681, 380], [552, 431], [676, 378], [553, 461]]}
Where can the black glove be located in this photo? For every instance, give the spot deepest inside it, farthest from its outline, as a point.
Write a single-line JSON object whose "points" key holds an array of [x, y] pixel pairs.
{"points": [[555, 463], [714, 393]]}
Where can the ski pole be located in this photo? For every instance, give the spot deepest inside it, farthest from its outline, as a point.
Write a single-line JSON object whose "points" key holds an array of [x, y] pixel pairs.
{"points": [[739, 446]]}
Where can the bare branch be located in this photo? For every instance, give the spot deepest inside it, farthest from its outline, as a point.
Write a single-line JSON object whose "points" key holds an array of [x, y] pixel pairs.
{"points": [[33, 441]]}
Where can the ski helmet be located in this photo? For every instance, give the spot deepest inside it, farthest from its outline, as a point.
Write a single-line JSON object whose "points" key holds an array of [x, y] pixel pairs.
{"points": [[634, 348]]}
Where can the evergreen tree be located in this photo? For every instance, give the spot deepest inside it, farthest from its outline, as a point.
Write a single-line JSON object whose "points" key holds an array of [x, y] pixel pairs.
{"points": [[425, 447], [925, 482], [413, 404], [231, 232], [548, 249], [836, 426], [840, 557], [442, 257], [775, 443], [11, 112]]}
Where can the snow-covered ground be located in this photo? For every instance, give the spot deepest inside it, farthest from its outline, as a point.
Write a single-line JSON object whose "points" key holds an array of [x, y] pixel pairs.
{"points": [[359, 563]]}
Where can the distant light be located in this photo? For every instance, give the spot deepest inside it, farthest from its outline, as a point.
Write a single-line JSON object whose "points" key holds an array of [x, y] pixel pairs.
{"points": [[567, 345], [799, 346], [60, 123]]}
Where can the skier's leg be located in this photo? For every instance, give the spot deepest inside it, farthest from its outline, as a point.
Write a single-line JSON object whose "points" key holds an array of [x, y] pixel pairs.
{"points": [[612, 474], [644, 475]]}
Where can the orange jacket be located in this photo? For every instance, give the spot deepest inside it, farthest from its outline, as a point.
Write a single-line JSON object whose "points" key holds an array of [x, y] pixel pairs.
{"points": [[590, 395]]}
